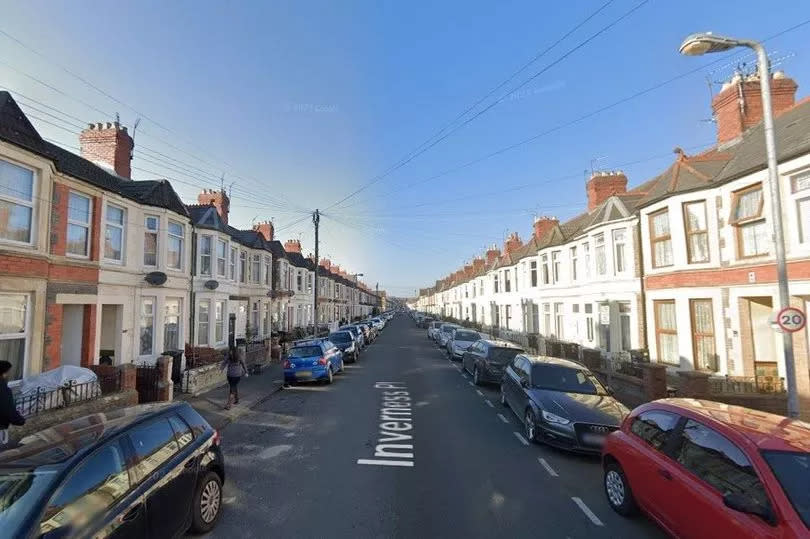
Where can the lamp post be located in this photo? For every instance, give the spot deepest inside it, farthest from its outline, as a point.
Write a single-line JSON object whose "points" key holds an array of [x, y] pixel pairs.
{"points": [[354, 307], [702, 43]]}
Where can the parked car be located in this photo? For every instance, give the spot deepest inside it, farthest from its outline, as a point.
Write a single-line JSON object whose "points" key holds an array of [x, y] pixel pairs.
{"points": [[372, 331], [460, 339], [444, 333], [347, 344], [378, 323], [486, 360], [154, 470], [702, 468], [560, 402], [317, 359], [432, 328], [357, 332]]}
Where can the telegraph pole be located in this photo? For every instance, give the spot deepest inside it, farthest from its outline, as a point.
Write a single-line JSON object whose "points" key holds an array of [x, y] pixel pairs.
{"points": [[316, 219]]}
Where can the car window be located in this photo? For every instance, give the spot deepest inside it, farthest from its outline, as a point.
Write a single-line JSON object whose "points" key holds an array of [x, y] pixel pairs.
{"points": [[523, 367], [95, 486], [792, 470], [304, 351], [502, 356], [717, 461], [191, 417], [182, 432], [466, 336], [154, 444], [566, 379], [655, 427]]}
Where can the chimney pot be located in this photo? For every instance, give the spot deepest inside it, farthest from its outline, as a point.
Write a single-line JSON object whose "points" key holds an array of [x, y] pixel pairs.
{"points": [[602, 186], [110, 147]]}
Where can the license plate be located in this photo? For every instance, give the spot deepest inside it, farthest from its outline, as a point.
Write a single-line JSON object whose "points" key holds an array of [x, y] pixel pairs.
{"points": [[593, 439], [303, 374]]}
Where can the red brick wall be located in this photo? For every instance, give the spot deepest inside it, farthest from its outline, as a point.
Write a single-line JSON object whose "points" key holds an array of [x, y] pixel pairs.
{"points": [[89, 335], [23, 265], [52, 357], [95, 240], [600, 188], [108, 143], [65, 272], [59, 215], [732, 120], [765, 273]]}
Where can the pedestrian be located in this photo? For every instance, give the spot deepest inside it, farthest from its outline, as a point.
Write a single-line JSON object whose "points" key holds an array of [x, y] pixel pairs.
{"points": [[235, 368], [8, 411]]}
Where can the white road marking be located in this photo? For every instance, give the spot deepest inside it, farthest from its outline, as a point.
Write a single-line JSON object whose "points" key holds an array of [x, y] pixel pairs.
{"points": [[464, 374], [548, 467], [489, 403], [587, 511], [471, 384], [479, 392], [502, 418], [376, 462], [520, 437]]}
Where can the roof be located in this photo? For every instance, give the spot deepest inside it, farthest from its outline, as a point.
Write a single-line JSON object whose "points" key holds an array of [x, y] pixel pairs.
{"points": [[17, 130], [297, 259], [766, 430]]}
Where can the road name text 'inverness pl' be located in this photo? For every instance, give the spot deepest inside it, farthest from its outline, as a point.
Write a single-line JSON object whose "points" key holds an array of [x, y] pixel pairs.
{"points": [[395, 443]]}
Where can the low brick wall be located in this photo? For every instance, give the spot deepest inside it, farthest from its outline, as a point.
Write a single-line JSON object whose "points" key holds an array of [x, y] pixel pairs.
{"points": [[201, 379], [629, 390], [46, 419], [773, 403]]}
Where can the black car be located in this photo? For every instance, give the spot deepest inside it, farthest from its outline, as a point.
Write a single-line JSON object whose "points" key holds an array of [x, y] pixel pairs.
{"points": [[359, 336], [486, 360], [560, 402], [347, 344], [153, 470]]}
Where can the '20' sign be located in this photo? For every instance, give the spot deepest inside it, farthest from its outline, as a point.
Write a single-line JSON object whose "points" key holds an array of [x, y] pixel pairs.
{"points": [[791, 319]]}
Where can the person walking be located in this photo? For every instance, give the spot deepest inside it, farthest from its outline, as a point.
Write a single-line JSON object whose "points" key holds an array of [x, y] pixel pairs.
{"points": [[235, 368], [8, 412]]}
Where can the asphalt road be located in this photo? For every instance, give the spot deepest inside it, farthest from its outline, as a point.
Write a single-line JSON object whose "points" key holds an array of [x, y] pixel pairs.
{"points": [[292, 462]]}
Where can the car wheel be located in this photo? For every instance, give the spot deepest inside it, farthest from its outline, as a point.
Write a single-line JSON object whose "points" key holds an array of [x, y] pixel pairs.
{"points": [[207, 503], [617, 490], [329, 376], [530, 427], [503, 397], [476, 376]]}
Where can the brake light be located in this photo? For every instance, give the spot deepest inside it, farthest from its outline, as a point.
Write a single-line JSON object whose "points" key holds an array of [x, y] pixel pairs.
{"points": [[287, 364], [322, 361], [216, 439]]}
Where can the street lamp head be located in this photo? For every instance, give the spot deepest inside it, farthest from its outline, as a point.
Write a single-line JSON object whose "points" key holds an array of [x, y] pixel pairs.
{"points": [[706, 42]]}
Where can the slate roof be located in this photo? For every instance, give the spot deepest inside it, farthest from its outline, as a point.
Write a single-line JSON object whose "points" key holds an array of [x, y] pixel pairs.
{"points": [[15, 128]]}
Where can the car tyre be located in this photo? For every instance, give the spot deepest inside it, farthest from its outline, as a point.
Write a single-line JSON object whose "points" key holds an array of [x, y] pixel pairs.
{"points": [[617, 490], [530, 426], [503, 397], [476, 376], [329, 375], [207, 503]]}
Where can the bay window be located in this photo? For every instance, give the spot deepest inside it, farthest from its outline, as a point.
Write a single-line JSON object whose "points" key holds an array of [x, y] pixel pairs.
{"points": [[147, 326], [268, 271], [660, 239], [574, 263], [800, 189], [507, 281], [222, 253], [666, 331], [115, 218], [243, 267], [78, 228], [234, 255], [533, 270], [555, 266], [586, 250], [697, 232], [16, 202], [14, 331], [175, 245], [205, 255], [544, 269], [203, 320], [753, 236], [256, 269], [150, 240]]}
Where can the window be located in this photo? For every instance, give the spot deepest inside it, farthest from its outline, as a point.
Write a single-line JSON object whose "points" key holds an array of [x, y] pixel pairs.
{"points": [[660, 239], [256, 269], [97, 484], [14, 331], [547, 318], [544, 259], [182, 432], [619, 238], [147, 324], [243, 267], [203, 313], [574, 263], [718, 462], [205, 255], [222, 251], [78, 228], [654, 427], [599, 251], [154, 444], [232, 263], [624, 324], [666, 333], [309, 283], [792, 470], [555, 266], [495, 282], [16, 202], [586, 250], [219, 322], [508, 313], [697, 233], [800, 187], [150, 240], [703, 334], [268, 272], [254, 317], [516, 278], [171, 324], [589, 320], [266, 320], [175, 247], [533, 266], [558, 320], [507, 281], [746, 216], [114, 233]]}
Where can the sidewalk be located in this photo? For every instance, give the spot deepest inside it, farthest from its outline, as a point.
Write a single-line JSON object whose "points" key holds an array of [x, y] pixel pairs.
{"points": [[252, 390]]}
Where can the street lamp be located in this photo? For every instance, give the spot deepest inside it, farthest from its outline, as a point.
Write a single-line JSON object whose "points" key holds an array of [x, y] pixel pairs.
{"points": [[702, 43]]}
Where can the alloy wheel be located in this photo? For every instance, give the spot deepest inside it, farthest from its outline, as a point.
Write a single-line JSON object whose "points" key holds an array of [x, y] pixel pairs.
{"points": [[210, 501], [476, 378], [615, 488], [530, 426]]}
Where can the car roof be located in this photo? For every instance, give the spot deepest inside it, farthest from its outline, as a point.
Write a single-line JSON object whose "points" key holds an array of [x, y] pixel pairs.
{"points": [[548, 360], [767, 431], [66, 442], [309, 342], [500, 344]]}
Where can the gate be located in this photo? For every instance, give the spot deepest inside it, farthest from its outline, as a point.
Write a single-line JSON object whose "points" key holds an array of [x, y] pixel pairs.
{"points": [[146, 382]]}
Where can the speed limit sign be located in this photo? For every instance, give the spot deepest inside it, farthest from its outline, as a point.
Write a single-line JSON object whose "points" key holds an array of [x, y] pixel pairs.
{"points": [[791, 319]]}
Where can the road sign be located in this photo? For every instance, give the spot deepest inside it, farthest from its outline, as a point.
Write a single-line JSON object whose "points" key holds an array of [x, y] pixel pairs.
{"points": [[791, 319]]}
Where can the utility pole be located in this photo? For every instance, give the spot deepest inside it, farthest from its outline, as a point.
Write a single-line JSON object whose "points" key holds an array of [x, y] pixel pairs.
{"points": [[316, 219]]}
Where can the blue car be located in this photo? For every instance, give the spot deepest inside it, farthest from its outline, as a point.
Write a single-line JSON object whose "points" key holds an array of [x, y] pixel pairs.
{"points": [[314, 360]]}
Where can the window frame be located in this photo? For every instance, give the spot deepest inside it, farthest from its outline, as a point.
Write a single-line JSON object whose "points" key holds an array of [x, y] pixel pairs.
{"points": [[688, 233], [533, 272], [545, 274], [88, 226], [268, 270], [224, 259], [256, 268], [740, 224], [555, 266], [141, 327], [122, 227], [24, 335], [207, 304], [695, 335], [166, 315], [181, 238], [659, 239], [219, 320], [574, 260], [658, 330], [209, 256], [32, 232], [799, 196], [243, 266], [619, 250]]}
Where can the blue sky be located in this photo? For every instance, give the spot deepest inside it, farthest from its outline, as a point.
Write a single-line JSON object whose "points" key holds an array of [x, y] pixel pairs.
{"points": [[301, 103]]}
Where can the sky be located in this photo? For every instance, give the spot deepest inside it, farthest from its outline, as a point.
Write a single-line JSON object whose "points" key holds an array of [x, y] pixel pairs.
{"points": [[389, 105]]}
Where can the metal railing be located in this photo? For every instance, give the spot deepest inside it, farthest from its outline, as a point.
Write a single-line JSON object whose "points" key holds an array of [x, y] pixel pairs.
{"points": [[67, 395], [746, 385]]}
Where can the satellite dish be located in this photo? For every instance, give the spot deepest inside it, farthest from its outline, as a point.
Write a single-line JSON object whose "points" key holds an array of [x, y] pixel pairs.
{"points": [[155, 278], [211, 285]]}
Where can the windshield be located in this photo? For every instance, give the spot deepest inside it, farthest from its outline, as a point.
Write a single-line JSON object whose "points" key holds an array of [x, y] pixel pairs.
{"points": [[566, 379], [792, 470], [20, 491], [447, 329], [341, 336], [466, 336], [502, 356], [305, 351]]}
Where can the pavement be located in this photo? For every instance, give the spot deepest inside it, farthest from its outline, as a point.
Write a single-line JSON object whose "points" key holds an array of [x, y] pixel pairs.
{"points": [[301, 462]]}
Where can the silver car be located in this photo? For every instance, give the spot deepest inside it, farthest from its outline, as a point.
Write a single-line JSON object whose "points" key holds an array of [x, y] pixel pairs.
{"points": [[444, 333], [460, 340], [433, 327]]}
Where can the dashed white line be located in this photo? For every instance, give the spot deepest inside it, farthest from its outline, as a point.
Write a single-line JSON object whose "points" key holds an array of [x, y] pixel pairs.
{"points": [[548, 467], [587, 511], [380, 462], [489, 403], [520, 437], [480, 394], [471, 384], [502, 418]]}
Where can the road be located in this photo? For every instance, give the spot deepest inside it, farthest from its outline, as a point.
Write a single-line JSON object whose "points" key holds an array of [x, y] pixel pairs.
{"points": [[292, 462]]}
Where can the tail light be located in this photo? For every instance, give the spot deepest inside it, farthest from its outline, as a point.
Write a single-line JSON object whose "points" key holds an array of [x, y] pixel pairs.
{"points": [[322, 361], [287, 364], [216, 439]]}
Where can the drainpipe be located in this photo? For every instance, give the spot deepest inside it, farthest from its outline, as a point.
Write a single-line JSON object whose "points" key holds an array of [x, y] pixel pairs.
{"points": [[191, 294], [642, 295]]}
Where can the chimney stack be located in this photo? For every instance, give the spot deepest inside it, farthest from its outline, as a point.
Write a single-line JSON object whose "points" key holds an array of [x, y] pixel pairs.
{"points": [[218, 199], [477, 263], [292, 246], [108, 145], [738, 106], [542, 225], [512, 243], [604, 185], [492, 254], [265, 228], [325, 263]]}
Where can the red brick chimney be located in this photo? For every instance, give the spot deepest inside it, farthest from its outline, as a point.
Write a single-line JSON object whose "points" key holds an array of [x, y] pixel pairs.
{"points": [[325, 263], [109, 145], [738, 106], [265, 228], [542, 225], [512, 243], [492, 254], [604, 185], [218, 199], [292, 246], [478, 263]]}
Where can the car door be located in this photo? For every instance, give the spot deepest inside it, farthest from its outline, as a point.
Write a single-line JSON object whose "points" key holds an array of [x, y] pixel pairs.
{"points": [[513, 377], [469, 356], [163, 470]]}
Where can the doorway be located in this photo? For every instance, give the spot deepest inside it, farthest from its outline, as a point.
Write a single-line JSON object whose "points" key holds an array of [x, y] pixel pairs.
{"points": [[111, 327], [72, 320], [767, 353]]}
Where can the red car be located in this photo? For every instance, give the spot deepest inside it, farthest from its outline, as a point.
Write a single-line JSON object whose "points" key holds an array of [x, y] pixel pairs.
{"points": [[707, 469]]}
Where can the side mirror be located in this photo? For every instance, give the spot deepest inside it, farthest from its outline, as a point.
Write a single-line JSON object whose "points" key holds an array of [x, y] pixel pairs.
{"points": [[524, 383], [746, 504]]}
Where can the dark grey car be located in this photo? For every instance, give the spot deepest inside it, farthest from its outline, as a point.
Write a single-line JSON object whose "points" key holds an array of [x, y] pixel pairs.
{"points": [[560, 402], [487, 359]]}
